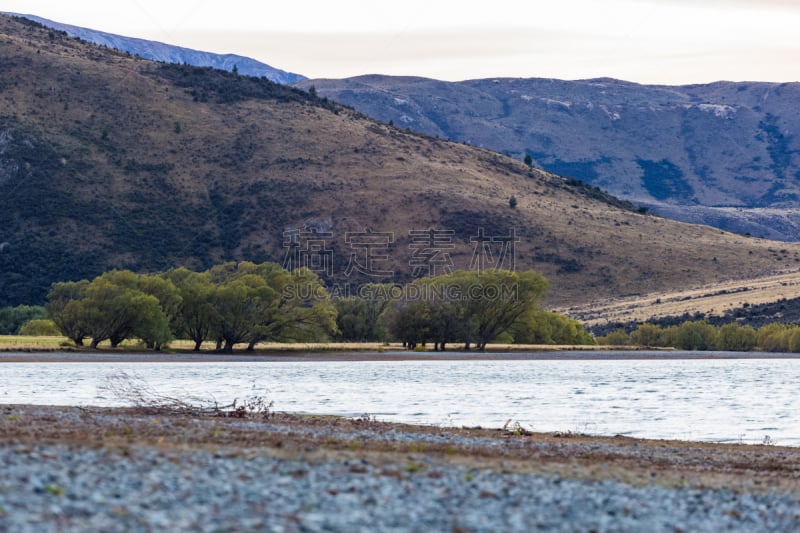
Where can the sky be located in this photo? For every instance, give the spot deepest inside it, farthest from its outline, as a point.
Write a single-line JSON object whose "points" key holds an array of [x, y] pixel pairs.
{"points": [[647, 41]]}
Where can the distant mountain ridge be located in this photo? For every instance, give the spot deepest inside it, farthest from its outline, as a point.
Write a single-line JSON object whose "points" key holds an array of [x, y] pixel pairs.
{"points": [[724, 154], [170, 53]]}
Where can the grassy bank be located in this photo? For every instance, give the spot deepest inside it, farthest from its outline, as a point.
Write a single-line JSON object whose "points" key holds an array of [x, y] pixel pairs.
{"points": [[28, 343]]}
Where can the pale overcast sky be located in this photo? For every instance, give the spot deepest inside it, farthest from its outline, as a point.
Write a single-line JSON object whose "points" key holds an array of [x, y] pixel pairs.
{"points": [[647, 41]]}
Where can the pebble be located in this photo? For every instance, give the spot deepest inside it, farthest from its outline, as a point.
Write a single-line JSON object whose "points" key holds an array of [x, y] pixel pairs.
{"points": [[57, 487]]}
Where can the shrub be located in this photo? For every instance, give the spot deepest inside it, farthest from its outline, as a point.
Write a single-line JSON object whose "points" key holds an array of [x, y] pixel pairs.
{"points": [[735, 337], [695, 335], [647, 335], [40, 328], [774, 337], [618, 337]]}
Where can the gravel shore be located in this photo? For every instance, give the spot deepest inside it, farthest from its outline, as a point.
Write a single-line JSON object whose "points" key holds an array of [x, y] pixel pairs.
{"points": [[78, 469]]}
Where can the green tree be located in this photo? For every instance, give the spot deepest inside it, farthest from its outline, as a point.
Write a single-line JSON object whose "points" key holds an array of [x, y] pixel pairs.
{"points": [[12, 318], [153, 329], [565, 330], [351, 319], [304, 311], [647, 334], [496, 299], [358, 317], [528, 160], [63, 309], [695, 335], [618, 337], [794, 340], [512, 202], [408, 320], [736, 338], [40, 328], [115, 313], [773, 337], [241, 304], [447, 309], [196, 317], [265, 302], [547, 327]]}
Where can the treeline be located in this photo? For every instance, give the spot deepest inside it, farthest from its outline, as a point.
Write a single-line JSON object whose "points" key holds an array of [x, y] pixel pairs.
{"points": [[231, 303], [247, 303], [469, 307], [12, 319], [701, 335]]}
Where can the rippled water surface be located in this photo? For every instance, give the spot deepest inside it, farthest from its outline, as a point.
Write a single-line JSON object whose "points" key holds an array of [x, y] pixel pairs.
{"points": [[729, 400]]}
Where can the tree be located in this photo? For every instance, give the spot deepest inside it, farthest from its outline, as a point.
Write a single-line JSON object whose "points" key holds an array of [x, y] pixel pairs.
{"points": [[241, 303], [63, 309], [115, 313], [196, 317], [408, 320], [463, 306], [256, 303], [774, 337], [539, 326], [618, 337], [496, 299], [512, 202], [351, 319], [446, 309], [153, 329], [304, 311], [358, 317], [695, 335], [528, 160], [647, 334], [736, 338]]}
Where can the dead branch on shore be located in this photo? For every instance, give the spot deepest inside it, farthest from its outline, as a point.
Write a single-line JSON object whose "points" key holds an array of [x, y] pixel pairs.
{"points": [[133, 390]]}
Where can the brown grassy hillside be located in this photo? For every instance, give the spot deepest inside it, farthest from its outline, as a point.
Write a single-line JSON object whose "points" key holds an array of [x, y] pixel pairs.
{"points": [[110, 160]]}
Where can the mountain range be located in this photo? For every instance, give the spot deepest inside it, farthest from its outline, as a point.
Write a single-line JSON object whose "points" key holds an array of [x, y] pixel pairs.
{"points": [[108, 160], [724, 154], [168, 53]]}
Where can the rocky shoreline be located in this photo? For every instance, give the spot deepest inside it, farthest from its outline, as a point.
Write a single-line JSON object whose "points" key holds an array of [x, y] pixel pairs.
{"points": [[89, 469]]}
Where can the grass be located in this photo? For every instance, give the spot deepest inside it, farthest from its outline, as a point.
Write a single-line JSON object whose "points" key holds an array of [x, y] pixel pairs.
{"points": [[185, 345], [13, 341], [30, 343], [710, 300]]}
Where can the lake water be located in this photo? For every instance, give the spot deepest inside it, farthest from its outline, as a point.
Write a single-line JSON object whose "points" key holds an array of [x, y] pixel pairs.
{"points": [[733, 400]]}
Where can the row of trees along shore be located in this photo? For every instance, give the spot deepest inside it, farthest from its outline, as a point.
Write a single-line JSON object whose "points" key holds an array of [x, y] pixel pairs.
{"points": [[247, 303], [700, 335]]}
